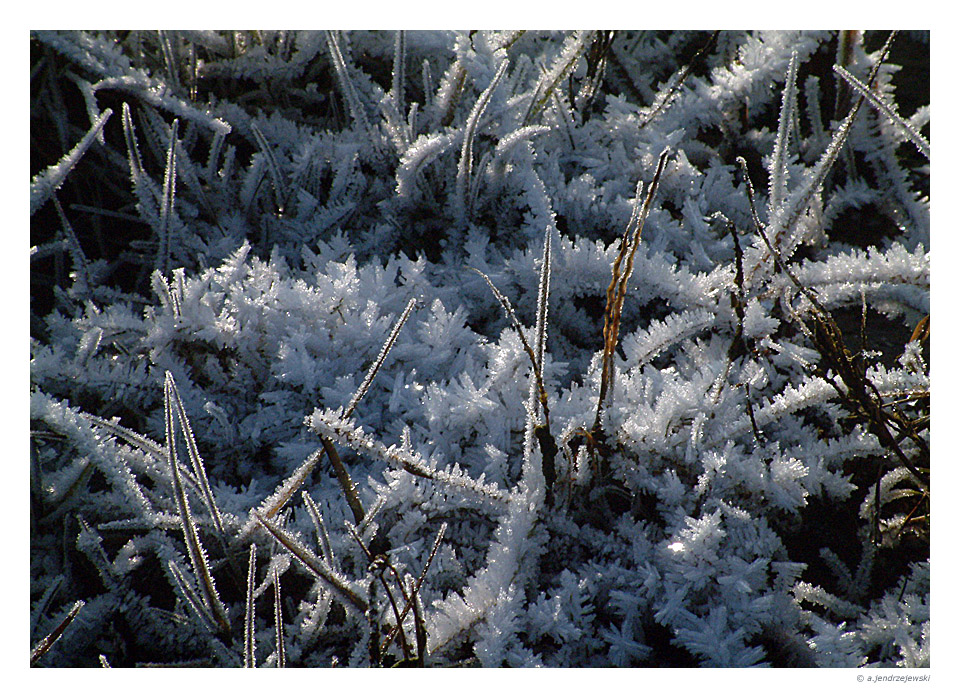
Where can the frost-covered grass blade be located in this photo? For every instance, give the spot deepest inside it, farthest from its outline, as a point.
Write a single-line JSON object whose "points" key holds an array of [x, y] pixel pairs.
{"points": [[44, 646], [196, 462], [250, 618], [44, 184], [318, 567], [198, 556], [465, 168], [885, 108], [273, 167]]}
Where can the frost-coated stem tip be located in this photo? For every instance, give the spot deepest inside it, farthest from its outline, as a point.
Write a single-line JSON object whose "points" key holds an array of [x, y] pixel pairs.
{"points": [[46, 643]]}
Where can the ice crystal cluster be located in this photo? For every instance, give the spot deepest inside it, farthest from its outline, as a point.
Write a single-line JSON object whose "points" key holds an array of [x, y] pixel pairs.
{"points": [[520, 348]]}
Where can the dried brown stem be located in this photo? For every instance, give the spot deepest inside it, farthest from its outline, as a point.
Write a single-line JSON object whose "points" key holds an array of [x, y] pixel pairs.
{"points": [[617, 290]]}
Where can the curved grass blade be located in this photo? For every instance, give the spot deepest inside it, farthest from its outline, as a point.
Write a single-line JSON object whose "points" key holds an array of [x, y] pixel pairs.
{"points": [[573, 48], [272, 167], [538, 394], [346, 82], [167, 202], [465, 167], [543, 296], [778, 162], [399, 63], [793, 207], [518, 328], [80, 261], [133, 149]]}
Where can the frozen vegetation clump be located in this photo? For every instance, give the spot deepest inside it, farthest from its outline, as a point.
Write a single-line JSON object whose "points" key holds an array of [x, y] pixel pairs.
{"points": [[524, 348]]}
